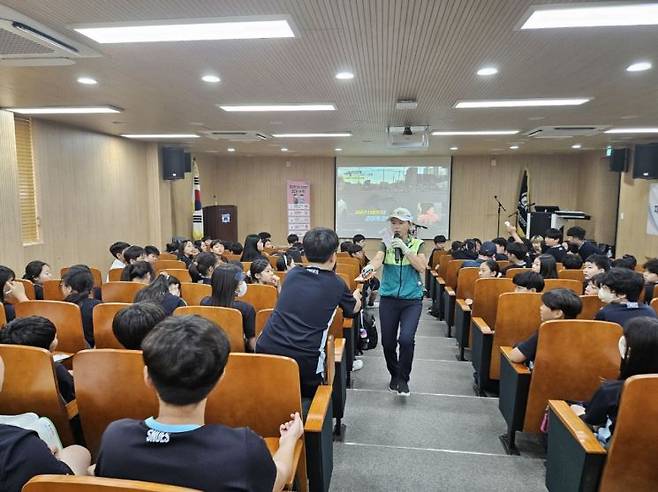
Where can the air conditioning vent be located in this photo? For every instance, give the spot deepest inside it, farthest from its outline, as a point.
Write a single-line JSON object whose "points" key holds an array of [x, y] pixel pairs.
{"points": [[236, 136], [408, 137], [568, 131]]}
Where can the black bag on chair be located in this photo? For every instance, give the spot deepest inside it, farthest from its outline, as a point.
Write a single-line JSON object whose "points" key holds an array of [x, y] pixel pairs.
{"points": [[368, 331]]}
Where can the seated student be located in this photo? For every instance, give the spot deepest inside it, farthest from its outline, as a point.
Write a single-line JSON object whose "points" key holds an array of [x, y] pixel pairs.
{"points": [[202, 267], [37, 331], [116, 250], [265, 236], [77, 285], [488, 269], [185, 357], [556, 304], [152, 254], [487, 252], [439, 242], [228, 282], [639, 355], [455, 246], [545, 266], [295, 249], [207, 240], [626, 261], [554, 247], [371, 287], [593, 285], [200, 246], [344, 246], [253, 248], [133, 254], [141, 272], [501, 248], [466, 251], [236, 248], [572, 261], [158, 292], [186, 252], [173, 285], [218, 248], [650, 275], [37, 272], [261, 272], [10, 290], [133, 323], [620, 289], [577, 244], [356, 251], [528, 282], [594, 265], [537, 243], [518, 256], [24, 455], [478, 244], [284, 262], [298, 326]]}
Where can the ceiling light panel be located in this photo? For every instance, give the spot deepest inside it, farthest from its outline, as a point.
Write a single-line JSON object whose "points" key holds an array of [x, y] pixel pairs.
{"points": [[520, 103], [442, 133], [620, 14], [312, 135], [66, 110], [247, 108]]}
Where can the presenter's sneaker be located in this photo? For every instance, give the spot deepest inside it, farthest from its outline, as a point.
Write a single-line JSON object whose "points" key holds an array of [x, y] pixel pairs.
{"points": [[393, 385], [403, 388], [357, 365]]}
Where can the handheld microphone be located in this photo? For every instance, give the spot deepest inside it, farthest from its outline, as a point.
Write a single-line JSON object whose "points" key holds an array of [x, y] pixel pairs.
{"points": [[398, 251]]}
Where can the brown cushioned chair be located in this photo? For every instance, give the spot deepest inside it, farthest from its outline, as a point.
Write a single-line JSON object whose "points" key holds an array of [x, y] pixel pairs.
{"points": [[180, 273], [578, 275], [103, 318], [510, 272], [72, 483], [163, 264], [167, 256], [120, 291], [52, 290], [95, 272], [65, 316], [229, 319], [193, 293], [29, 289], [261, 320], [261, 296], [591, 306], [560, 283], [450, 285], [466, 278], [114, 275]]}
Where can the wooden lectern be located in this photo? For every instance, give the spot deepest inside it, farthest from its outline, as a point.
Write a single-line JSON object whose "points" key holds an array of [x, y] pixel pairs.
{"points": [[221, 222]]}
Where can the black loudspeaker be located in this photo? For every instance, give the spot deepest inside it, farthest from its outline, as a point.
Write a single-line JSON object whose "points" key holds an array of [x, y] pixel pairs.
{"points": [[173, 163], [645, 161], [188, 162], [619, 160]]}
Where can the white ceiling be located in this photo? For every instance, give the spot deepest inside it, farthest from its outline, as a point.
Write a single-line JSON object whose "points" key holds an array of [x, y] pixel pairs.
{"points": [[427, 49]]}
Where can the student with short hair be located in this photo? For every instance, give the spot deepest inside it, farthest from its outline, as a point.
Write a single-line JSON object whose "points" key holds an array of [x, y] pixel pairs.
{"points": [[218, 249], [489, 269], [159, 292], [553, 242], [185, 357], [253, 248], [518, 256], [186, 252], [345, 246], [131, 325], [37, 331], [626, 261], [228, 284], [152, 254], [284, 262], [545, 266], [299, 325], [202, 267], [578, 244], [650, 275], [116, 250], [236, 248], [528, 282], [501, 248], [594, 265], [593, 285], [261, 272], [487, 252], [24, 455], [556, 304], [139, 271], [133, 254], [439, 242], [173, 286], [537, 243], [620, 290], [571, 261], [265, 236], [37, 272], [77, 286]]}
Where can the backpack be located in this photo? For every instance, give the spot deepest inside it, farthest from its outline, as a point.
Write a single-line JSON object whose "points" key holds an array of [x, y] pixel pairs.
{"points": [[368, 331]]}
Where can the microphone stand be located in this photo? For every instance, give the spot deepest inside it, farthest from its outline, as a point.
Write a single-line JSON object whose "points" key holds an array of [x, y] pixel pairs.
{"points": [[500, 207]]}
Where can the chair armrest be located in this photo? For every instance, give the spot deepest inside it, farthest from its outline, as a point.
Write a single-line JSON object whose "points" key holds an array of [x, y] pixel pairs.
{"points": [[434, 273], [481, 325], [339, 349], [450, 291], [441, 280], [518, 368], [318, 410], [461, 303], [71, 409], [347, 323], [576, 427]]}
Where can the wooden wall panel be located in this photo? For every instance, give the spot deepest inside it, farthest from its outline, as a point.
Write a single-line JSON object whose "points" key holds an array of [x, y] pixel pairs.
{"points": [[632, 234], [11, 245]]}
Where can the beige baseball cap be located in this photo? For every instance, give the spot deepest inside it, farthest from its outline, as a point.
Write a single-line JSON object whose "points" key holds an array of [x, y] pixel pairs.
{"points": [[402, 214]]}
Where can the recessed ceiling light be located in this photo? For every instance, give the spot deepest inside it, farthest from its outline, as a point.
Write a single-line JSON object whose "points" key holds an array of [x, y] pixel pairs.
{"points": [[87, 81], [475, 132], [486, 71], [576, 146], [211, 79], [521, 103], [278, 107], [284, 149], [155, 136], [231, 149], [312, 135], [344, 75], [513, 147], [638, 14], [338, 149], [632, 130], [189, 31], [454, 148], [66, 110], [639, 67]]}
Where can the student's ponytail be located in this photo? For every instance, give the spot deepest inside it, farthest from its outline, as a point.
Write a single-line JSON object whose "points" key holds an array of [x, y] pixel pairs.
{"points": [[81, 281], [202, 265]]}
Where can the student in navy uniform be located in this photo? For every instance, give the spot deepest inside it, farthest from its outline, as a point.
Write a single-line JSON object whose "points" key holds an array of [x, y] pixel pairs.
{"points": [[528, 282], [262, 273], [487, 252], [140, 272], [253, 248], [577, 243], [594, 265], [295, 248], [501, 248], [545, 266], [228, 283], [10, 290], [202, 267], [37, 272], [131, 325], [185, 357], [518, 256], [650, 275], [571, 261], [133, 254], [152, 254], [37, 331], [556, 304], [626, 261], [186, 252], [77, 285], [116, 250], [159, 293], [24, 455], [620, 290], [309, 297], [554, 247]]}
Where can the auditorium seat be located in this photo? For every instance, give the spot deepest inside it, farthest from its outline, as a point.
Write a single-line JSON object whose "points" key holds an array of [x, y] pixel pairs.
{"points": [[65, 316], [31, 386], [228, 319], [572, 275], [591, 306], [193, 293], [450, 285], [577, 461], [573, 357], [246, 265], [261, 296], [114, 275], [180, 273], [52, 290], [261, 319], [103, 315], [439, 284], [513, 271], [168, 264], [95, 272], [167, 256], [560, 283], [29, 289], [120, 291], [72, 483], [466, 278], [654, 304]]}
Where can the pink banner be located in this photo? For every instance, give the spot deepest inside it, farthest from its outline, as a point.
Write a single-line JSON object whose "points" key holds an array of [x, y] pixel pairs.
{"points": [[299, 207]]}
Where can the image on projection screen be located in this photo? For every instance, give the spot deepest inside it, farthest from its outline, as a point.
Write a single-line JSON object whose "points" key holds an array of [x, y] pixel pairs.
{"points": [[366, 195]]}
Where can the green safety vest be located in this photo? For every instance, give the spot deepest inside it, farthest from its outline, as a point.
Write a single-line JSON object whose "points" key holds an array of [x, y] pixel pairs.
{"points": [[401, 279]]}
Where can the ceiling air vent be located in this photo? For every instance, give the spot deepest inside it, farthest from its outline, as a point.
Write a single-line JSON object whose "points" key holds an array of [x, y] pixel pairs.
{"points": [[565, 131], [236, 136]]}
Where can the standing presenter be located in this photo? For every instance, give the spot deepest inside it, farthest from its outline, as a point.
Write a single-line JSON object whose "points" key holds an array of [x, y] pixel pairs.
{"points": [[401, 294]]}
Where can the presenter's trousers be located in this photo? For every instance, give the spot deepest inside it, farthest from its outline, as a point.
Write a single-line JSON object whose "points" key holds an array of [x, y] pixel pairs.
{"points": [[402, 314]]}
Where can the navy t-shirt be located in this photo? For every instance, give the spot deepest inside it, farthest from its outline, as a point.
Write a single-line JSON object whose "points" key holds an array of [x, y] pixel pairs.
{"points": [[299, 324], [10, 313], [24, 455], [248, 315], [170, 302], [604, 404], [528, 347], [622, 313], [208, 457]]}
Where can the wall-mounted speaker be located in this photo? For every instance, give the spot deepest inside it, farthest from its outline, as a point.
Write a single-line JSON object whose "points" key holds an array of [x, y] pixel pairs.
{"points": [[619, 159], [173, 163], [645, 161]]}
